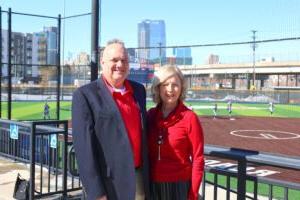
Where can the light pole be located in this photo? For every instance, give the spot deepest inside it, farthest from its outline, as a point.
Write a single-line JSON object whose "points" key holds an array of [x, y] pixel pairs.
{"points": [[159, 54], [63, 53], [253, 57], [96, 4]]}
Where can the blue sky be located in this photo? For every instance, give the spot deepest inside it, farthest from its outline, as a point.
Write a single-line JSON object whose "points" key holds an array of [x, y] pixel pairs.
{"points": [[188, 22]]}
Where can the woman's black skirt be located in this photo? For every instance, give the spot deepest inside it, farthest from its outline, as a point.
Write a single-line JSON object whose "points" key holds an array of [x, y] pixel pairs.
{"points": [[170, 191]]}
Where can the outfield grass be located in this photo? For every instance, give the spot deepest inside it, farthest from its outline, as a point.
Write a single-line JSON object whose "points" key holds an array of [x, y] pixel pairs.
{"points": [[263, 189], [244, 109], [248, 109], [34, 110]]}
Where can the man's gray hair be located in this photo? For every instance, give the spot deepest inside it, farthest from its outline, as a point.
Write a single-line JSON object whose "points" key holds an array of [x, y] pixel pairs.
{"points": [[113, 41]]}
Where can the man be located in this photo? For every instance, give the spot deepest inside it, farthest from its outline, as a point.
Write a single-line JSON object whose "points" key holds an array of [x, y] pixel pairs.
{"points": [[46, 111], [108, 131], [215, 110], [271, 107], [229, 107]]}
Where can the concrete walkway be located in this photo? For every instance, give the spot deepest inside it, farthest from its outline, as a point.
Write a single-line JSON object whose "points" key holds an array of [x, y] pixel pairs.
{"points": [[8, 174], [10, 169]]}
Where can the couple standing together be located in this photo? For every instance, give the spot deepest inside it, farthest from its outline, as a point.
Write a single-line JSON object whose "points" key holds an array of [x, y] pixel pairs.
{"points": [[123, 151]]}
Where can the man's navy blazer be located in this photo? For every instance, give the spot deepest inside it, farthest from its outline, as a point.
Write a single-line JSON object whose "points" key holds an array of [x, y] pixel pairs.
{"points": [[102, 147]]}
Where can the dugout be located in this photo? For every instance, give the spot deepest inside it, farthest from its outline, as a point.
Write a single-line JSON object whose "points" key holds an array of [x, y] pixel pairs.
{"points": [[288, 94]]}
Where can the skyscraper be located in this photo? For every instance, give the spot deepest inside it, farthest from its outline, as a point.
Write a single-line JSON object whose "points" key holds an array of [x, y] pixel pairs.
{"points": [[151, 33], [213, 59], [16, 54], [51, 34], [183, 56], [28, 51]]}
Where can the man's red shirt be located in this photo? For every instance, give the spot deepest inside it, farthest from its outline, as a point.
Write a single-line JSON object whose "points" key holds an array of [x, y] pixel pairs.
{"points": [[130, 113]]}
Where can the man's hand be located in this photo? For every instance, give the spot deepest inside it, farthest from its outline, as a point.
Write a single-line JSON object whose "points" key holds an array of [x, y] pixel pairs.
{"points": [[102, 198]]}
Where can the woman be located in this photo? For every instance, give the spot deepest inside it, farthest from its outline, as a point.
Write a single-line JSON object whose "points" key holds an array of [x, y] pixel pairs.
{"points": [[175, 140]]}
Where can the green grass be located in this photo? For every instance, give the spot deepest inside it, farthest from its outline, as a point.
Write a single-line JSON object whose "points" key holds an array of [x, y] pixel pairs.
{"points": [[245, 109], [263, 189], [34, 109]]}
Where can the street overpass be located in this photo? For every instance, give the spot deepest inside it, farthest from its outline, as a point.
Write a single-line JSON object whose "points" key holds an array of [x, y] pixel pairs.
{"points": [[243, 68]]}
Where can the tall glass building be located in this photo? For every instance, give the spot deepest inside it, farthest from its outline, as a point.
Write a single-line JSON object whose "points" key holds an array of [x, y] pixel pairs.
{"points": [[51, 34], [183, 56], [151, 33]]}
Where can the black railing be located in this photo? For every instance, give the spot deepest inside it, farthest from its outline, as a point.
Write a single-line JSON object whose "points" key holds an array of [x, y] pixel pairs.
{"points": [[44, 145], [243, 158], [49, 158]]}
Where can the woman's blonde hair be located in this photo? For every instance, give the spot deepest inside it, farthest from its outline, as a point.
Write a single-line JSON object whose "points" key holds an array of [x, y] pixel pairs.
{"points": [[161, 75]]}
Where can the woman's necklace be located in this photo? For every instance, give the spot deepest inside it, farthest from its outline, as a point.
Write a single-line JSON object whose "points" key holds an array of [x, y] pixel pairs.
{"points": [[162, 130], [160, 141]]}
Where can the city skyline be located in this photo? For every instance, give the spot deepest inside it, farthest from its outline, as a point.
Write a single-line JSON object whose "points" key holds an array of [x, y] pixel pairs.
{"points": [[151, 33], [189, 23]]}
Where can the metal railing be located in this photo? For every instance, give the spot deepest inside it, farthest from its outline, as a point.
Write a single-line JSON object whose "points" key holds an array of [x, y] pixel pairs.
{"points": [[243, 158], [45, 145]]}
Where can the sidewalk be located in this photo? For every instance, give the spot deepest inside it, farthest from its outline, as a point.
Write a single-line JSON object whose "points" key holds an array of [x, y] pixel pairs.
{"points": [[10, 169], [8, 174]]}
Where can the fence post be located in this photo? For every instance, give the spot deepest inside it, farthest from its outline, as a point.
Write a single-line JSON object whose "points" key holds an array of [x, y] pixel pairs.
{"points": [[58, 68], [65, 151], [241, 182], [9, 65], [32, 161], [95, 40]]}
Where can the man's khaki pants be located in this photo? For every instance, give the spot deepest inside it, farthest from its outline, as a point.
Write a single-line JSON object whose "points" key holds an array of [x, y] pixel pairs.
{"points": [[140, 192]]}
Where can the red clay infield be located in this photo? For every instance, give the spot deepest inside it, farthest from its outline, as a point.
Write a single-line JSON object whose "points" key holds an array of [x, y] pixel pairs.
{"points": [[263, 134]]}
